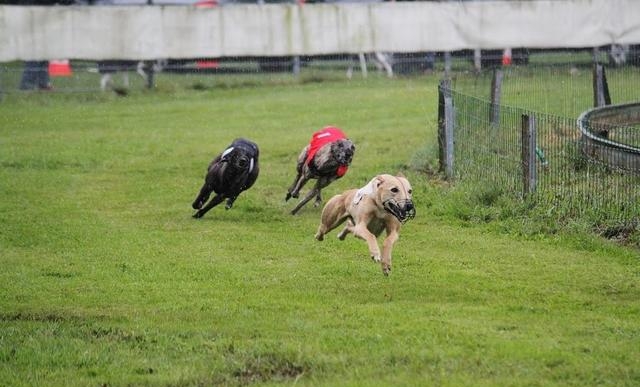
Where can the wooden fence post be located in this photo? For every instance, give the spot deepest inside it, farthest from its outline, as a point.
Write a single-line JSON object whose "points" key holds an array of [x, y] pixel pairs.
{"points": [[443, 88], [529, 173], [148, 69], [477, 63], [445, 128], [496, 89], [449, 125]]}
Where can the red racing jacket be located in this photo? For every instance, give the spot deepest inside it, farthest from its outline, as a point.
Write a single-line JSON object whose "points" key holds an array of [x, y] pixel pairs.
{"points": [[323, 137]]}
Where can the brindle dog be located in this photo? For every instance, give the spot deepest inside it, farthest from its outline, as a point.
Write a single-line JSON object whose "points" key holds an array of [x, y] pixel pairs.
{"points": [[326, 158]]}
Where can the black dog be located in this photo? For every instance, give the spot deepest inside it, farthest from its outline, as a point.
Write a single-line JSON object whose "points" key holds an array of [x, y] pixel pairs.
{"points": [[326, 158], [231, 172]]}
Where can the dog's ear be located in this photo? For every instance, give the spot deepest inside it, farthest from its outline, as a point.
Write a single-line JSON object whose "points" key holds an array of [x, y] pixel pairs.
{"points": [[378, 181]]}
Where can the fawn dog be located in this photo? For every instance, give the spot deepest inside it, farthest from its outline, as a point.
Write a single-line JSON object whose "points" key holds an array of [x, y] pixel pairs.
{"points": [[384, 204]]}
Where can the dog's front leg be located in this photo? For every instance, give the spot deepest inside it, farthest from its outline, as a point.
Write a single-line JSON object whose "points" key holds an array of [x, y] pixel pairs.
{"points": [[293, 191], [230, 202], [202, 198], [387, 246], [301, 177], [361, 231], [214, 202]]}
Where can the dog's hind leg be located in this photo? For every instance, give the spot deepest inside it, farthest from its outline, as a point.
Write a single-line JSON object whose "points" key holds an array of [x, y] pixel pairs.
{"points": [[320, 184], [333, 215], [318, 199], [214, 202], [346, 230], [325, 228], [305, 200], [315, 192]]}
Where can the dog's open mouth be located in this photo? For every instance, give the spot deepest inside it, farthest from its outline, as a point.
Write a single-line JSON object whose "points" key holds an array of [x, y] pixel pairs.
{"points": [[402, 210]]}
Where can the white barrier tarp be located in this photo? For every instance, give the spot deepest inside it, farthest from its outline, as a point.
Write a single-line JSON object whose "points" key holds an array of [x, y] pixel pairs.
{"points": [[150, 32]]}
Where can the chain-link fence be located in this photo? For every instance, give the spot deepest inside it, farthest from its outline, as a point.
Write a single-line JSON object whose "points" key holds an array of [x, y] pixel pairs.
{"points": [[570, 172], [124, 75]]}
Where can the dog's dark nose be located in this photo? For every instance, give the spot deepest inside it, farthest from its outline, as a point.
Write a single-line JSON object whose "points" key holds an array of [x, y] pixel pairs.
{"points": [[408, 211]]}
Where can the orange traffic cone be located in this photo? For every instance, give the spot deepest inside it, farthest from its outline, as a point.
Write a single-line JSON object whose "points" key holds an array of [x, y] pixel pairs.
{"points": [[206, 3], [207, 64], [506, 57], [60, 68]]}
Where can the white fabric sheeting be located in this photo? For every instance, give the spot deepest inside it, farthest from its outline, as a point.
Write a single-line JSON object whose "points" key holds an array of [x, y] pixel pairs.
{"points": [[150, 32]]}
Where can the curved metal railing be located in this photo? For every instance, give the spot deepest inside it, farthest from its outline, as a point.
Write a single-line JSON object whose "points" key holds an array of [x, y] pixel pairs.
{"points": [[596, 124]]}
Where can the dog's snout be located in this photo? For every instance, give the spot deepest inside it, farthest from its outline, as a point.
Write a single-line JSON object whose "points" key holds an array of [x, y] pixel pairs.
{"points": [[409, 206], [243, 161], [409, 210]]}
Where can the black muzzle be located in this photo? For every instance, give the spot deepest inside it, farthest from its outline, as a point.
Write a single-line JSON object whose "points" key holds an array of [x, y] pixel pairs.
{"points": [[402, 210]]}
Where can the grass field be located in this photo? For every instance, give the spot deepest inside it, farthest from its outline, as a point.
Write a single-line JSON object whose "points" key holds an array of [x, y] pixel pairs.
{"points": [[106, 279]]}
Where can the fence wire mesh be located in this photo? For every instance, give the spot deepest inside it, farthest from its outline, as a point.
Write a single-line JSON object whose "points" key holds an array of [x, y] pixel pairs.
{"points": [[569, 182]]}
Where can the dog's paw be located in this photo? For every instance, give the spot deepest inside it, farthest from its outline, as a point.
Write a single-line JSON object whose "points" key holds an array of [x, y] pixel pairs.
{"points": [[376, 258], [197, 215]]}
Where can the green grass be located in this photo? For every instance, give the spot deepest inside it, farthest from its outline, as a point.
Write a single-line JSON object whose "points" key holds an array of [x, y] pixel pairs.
{"points": [[106, 279]]}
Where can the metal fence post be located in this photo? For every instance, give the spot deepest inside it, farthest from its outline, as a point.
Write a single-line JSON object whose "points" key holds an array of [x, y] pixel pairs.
{"points": [[496, 89], [529, 174]]}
